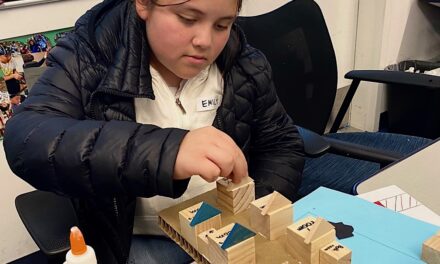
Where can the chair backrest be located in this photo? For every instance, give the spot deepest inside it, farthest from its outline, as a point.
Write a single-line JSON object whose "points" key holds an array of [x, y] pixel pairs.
{"points": [[296, 41]]}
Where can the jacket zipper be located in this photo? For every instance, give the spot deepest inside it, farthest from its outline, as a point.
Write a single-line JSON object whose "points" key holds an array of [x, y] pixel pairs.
{"points": [[177, 97], [179, 104], [115, 207], [219, 121]]}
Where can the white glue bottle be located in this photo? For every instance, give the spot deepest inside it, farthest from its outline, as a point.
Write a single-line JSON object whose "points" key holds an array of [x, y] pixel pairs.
{"points": [[79, 252]]}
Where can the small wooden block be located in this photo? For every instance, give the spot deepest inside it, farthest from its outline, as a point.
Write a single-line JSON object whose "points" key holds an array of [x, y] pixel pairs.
{"points": [[431, 250], [186, 217], [320, 228], [308, 228], [270, 215], [335, 253], [235, 197], [242, 252], [202, 242]]}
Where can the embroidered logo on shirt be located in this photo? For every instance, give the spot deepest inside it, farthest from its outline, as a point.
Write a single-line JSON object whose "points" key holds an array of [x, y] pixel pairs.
{"points": [[206, 104]]}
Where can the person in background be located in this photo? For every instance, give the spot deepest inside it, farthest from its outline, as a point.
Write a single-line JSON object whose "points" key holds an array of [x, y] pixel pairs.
{"points": [[15, 101], [24, 49], [29, 61], [155, 100], [9, 67], [14, 47], [7, 64], [4, 110], [2, 81], [42, 42], [33, 47]]}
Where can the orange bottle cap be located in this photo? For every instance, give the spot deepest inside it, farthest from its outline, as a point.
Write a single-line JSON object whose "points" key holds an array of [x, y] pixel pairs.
{"points": [[77, 243]]}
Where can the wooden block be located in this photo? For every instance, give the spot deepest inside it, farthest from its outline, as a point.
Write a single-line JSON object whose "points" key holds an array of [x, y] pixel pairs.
{"points": [[320, 228], [242, 251], [270, 215], [198, 218], [202, 242], [334, 253], [431, 250], [235, 197], [308, 228]]}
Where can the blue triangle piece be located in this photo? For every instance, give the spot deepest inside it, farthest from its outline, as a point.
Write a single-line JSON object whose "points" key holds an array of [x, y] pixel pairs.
{"points": [[238, 233], [205, 212]]}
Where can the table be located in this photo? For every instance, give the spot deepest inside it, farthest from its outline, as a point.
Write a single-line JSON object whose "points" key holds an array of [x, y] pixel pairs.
{"points": [[418, 175]]}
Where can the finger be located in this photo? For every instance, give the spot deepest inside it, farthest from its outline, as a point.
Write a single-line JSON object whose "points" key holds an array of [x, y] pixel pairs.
{"points": [[208, 170], [240, 169], [239, 163], [223, 158]]}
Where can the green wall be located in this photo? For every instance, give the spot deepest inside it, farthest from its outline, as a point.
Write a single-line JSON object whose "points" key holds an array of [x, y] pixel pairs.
{"points": [[48, 34]]}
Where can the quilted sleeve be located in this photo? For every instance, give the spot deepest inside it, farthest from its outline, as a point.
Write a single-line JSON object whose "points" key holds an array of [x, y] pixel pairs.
{"points": [[52, 144], [276, 159]]}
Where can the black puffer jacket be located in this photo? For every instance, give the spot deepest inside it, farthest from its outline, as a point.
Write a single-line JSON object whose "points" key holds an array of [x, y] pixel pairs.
{"points": [[76, 134]]}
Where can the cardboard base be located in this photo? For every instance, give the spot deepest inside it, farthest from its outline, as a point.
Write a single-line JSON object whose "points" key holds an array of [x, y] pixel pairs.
{"points": [[266, 251]]}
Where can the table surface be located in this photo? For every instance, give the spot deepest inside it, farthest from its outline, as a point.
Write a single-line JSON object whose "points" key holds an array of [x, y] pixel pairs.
{"points": [[418, 175]]}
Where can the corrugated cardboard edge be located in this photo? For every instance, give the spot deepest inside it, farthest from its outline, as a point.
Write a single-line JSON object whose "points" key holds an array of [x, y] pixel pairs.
{"points": [[185, 245]]}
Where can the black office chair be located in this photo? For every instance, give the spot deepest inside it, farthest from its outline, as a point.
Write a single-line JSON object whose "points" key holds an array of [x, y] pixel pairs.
{"points": [[48, 218], [296, 41]]}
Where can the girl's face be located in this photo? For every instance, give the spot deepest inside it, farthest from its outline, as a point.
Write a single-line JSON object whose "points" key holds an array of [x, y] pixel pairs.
{"points": [[186, 38]]}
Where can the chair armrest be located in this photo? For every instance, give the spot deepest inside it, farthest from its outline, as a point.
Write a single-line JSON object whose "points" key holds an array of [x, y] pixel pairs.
{"points": [[48, 218], [395, 77], [362, 152], [315, 145]]}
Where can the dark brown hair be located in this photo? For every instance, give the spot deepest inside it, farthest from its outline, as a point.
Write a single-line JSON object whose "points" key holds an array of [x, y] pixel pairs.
{"points": [[156, 2]]}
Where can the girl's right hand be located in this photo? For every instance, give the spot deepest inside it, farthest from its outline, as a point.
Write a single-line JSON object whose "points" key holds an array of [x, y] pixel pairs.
{"points": [[210, 153]]}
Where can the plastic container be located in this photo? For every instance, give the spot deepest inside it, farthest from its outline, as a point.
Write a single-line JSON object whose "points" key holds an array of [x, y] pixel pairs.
{"points": [[79, 252]]}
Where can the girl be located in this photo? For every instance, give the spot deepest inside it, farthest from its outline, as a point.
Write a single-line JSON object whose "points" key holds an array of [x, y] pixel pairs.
{"points": [[151, 99]]}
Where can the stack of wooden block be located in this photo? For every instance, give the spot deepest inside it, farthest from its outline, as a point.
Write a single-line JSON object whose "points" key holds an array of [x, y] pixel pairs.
{"points": [[309, 241], [270, 215], [232, 244], [198, 218], [312, 241], [235, 197]]}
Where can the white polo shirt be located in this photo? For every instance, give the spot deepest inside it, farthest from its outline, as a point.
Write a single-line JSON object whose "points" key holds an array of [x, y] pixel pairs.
{"points": [[199, 98]]}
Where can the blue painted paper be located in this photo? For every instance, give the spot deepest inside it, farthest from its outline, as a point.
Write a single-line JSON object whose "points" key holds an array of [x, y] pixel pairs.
{"points": [[238, 234], [380, 235]]}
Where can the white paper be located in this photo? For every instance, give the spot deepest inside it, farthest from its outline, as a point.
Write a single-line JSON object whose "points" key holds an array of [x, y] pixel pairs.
{"points": [[394, 198]]}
